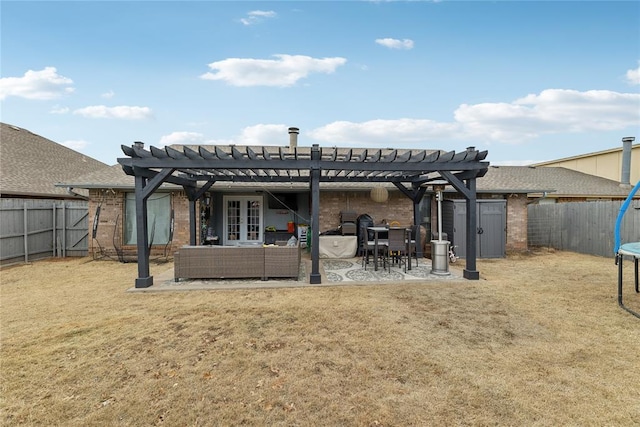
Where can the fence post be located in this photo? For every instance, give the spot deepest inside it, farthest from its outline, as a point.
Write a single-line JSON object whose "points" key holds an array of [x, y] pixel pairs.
{"points": [[26, 235], [64, 230], [53, 209]]}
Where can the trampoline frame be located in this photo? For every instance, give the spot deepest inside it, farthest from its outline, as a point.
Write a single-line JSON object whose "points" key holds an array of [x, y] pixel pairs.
{"points": [[630, 249]]}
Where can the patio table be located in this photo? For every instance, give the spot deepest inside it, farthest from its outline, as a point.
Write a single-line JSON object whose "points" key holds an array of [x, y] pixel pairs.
{"points": [[382, 229]]}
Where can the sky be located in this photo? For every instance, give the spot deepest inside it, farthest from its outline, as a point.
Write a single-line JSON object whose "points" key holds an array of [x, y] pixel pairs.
{"points": [[529, 81]]}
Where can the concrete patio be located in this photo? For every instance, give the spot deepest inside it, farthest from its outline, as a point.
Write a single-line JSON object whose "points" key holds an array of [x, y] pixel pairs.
{"points": [[334, 272]]}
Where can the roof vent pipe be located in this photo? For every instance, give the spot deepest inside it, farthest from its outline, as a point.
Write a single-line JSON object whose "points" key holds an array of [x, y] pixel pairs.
{"points": [[293, 137], [625, 176]]}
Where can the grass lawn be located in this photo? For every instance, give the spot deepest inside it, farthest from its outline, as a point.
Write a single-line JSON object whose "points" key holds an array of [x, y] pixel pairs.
{"points": [[539, 340]]}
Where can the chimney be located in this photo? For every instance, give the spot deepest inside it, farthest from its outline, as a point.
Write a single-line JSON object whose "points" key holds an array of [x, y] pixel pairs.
{"points": [[625, 176], [293, 138], [138, 144]]}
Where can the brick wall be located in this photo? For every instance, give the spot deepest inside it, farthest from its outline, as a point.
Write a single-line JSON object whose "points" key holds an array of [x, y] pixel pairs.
{"points": [[516, 223], [181, 220], [110, 233], [111, 205], [397, 208]]}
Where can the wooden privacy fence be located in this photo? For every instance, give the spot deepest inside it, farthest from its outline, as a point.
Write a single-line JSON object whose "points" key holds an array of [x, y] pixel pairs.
{"points": [[33, 229], [583, 227]]}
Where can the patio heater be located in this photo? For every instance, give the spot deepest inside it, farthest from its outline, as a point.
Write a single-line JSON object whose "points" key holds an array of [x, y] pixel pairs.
{"points": [[439, 247]]}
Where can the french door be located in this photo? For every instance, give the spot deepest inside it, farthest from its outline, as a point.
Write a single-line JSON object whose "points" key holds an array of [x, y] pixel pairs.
{"points": [[243, 218]]}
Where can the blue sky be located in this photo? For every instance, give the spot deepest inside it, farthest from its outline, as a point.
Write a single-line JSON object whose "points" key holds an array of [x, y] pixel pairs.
{"points": [[528, 81]]}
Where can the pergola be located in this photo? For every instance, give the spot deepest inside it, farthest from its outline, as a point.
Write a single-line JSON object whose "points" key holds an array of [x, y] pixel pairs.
{"points": [[197, 169]]}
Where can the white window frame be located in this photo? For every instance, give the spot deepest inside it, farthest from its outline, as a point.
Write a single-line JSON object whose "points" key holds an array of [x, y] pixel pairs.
{"points": [[244, 232]]}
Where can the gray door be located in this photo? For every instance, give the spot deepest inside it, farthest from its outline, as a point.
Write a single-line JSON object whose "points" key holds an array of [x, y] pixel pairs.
{"points": [[491, 225]]}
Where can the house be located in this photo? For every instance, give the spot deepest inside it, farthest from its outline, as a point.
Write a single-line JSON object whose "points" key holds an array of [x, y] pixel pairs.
{"points": [[622, 163], [243, 177], [112, 191], [244, 209], [39, 219]]}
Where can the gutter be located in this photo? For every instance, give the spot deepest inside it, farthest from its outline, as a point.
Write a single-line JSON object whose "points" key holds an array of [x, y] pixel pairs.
{"points": [[73, 193], [113, 186]]}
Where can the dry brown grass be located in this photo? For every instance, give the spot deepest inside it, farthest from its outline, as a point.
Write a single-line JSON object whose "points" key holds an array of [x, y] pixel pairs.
{"points": [[539, 340]]}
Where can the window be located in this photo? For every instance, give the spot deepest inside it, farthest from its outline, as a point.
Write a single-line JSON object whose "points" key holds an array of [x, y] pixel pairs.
{"points": [[158, 218]]}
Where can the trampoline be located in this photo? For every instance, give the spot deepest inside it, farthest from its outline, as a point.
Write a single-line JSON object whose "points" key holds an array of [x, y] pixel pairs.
{"points": [[628, 249]]}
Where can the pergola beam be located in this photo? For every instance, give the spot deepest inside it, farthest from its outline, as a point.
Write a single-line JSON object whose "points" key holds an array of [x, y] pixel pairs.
{"points": [[303, 164]]}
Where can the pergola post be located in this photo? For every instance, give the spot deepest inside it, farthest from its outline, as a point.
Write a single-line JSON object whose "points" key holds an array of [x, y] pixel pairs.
{"points": [[144, 279], [418, 194], [314, 277], [193, 223], [470, 271]]}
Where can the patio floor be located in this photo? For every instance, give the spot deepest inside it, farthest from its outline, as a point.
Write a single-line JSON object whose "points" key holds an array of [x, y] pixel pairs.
{"points": [[351, 270], [334, 272]]}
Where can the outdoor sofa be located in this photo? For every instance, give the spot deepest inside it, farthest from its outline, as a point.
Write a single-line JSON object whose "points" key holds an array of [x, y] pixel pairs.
{"points": [[234, 262]]}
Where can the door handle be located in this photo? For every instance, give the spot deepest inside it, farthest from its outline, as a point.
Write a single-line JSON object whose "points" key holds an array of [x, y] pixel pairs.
{"points": [[480, 230]]}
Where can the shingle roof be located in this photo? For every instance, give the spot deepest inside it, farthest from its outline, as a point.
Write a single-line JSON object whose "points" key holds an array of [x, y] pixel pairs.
{"points": [[561, 182], [557, 181], [109, 177], [31, 165]]}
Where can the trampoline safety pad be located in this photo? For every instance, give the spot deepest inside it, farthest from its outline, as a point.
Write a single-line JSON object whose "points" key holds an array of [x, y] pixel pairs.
{"points": [[630, 249]]}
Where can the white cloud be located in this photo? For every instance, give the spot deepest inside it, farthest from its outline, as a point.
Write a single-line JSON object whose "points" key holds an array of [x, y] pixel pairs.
{"points": [[108, 95], [182, 138], [405, 44], [119, 112], [59, 110], [264, 134], [553, 111], [283, 71], [77, 144], [384, 131], [42, 85], [633, 76], [256, 16]]}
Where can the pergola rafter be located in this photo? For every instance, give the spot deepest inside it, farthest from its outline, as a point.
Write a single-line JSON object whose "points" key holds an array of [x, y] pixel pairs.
{"points": [[197, 169]]}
